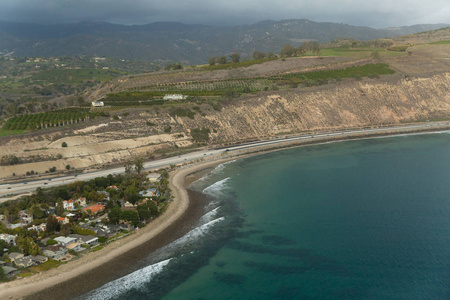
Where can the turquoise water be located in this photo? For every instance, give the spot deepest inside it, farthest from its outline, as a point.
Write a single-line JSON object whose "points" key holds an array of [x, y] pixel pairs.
{"points": [[365, 219]]}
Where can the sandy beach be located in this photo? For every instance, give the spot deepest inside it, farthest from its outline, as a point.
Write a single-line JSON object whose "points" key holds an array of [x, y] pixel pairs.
{"points": [[93, 270], [37, 286]]}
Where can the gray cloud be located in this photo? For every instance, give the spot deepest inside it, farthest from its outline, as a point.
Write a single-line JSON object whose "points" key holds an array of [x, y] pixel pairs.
{"points": [[380, 13]]}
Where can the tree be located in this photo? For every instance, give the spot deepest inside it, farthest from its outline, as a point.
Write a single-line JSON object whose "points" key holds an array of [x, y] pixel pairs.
{"points": [[235, 57], [153, 208], [28, 245], [66, 229], [2, 275], [287, 51], [222, 60], [259, 55], [128, 167], [138, 165], [130, 216], [271, 55], [52, 224], [315, 47], [144, 212], [212, 61], [64, 144], [59, 208], [301, 50], [131, 194], [114, 215]]}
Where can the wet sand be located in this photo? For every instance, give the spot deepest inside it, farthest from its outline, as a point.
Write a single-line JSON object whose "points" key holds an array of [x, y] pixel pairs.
{"points": [[115, 260]]}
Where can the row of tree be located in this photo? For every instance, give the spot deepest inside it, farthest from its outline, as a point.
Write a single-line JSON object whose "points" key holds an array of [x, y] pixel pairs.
{"points": [[289, 51], [286, 51]]}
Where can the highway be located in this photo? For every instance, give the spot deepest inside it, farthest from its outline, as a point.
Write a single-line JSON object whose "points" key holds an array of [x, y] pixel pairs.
{"points": [[10, 189]]}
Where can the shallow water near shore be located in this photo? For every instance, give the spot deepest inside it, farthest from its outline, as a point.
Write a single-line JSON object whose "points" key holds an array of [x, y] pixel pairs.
{"points": [[366, 219]]}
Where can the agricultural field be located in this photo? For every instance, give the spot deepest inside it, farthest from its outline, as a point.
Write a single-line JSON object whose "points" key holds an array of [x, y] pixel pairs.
{"points": [[355, 52], [368, 70], [60, 118], [73, 76], [152, 95]]}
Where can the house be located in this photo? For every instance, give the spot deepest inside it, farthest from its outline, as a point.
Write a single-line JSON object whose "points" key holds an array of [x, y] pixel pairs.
{"points": [[149, 193], [94, 208], [55, 251], [75, 247], [114, 187], [154, 177], [9, 239], [64, 241], [39, 259], [24, 217], [69, 204], [9, 271], [89, 240], [81, 202], [174, 97], [18, 225], [98, 104], [13, 256], [106, 196], [63, 220], [24, 262]]}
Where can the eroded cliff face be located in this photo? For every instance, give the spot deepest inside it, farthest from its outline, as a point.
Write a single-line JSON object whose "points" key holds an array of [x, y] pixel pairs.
{"points": [[342, 105], [329, 107]]}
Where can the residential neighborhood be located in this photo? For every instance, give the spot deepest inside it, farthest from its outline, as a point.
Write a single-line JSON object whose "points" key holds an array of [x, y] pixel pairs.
{"points": [[58, 224]]}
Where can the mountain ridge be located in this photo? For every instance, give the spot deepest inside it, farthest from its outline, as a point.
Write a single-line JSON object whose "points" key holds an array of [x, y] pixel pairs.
{"points": [[174, 41]]}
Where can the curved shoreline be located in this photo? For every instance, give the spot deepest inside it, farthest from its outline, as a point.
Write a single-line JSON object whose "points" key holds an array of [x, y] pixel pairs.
{"points": [[176, 209], [32, 285]]}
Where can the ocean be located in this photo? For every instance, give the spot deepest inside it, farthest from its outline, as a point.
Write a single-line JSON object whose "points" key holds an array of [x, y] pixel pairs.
{"points": [[366, 219]]}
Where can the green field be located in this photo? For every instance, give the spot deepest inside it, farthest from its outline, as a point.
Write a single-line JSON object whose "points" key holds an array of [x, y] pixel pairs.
{"points": [[241, 64], [75, 76], [354, 52], [367, 70], [59, 118], [444, 42]]}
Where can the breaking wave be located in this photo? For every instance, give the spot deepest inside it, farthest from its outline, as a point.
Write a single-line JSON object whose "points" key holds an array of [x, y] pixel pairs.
{"points": [[138, 279], [135, 280], [216, 189]]}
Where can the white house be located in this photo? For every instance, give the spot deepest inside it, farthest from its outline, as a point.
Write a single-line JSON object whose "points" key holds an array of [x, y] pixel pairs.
{"points": [[8, 238], [65, 241], [154, 177], [69, 204], [174, 97], [98, 104]]}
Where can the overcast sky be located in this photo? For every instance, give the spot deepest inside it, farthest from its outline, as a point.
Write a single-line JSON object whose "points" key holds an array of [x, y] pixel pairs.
{"points": [[373, 13]]}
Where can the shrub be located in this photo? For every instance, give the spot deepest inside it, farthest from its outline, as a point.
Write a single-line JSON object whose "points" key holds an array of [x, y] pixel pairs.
{"points": [[64, 144], [200, 135], [51, 242], [8, 160]]}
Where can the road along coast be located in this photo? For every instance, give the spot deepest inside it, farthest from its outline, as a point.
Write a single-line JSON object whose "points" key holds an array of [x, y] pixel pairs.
{"points": [[90, 271]]}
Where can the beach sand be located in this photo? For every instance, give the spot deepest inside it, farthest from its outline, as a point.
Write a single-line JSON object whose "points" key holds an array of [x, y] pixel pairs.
{"points": [[97, 268]]}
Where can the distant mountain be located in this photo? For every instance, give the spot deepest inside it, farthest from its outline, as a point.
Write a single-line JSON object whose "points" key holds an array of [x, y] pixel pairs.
{"points": [[176, 41]]}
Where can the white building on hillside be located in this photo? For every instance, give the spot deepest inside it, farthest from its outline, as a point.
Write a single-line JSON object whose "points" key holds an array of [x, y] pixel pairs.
{"points": [[98, 104], [174, 97]]}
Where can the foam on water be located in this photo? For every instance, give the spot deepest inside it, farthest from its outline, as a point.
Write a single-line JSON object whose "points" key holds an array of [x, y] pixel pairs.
{"points": [[137, 279], [196, 233], [134, 280], [216, 189], [208, 217]]}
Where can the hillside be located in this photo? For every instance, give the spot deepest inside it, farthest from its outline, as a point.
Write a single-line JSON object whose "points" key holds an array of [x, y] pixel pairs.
{"points": [[175, 41], [268, 99]]}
